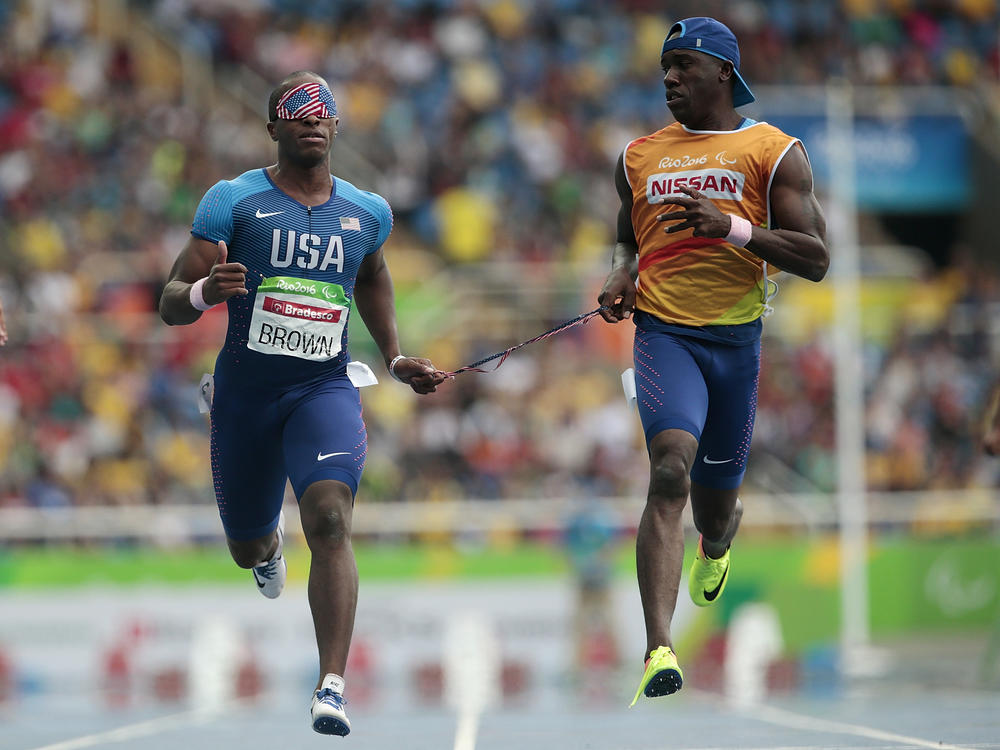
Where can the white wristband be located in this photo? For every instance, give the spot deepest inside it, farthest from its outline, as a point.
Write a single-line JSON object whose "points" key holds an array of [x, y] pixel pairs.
{"points": [[392, 367], [197, 300], [740, 231]]}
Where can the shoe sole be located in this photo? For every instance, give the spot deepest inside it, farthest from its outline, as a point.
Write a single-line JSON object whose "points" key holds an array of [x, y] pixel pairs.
{"points": [[664, 683], [330, 725]]}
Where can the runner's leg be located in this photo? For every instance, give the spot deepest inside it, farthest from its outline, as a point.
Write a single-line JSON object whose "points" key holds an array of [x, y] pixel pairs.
{"points": [[326, 509], [659, 547], [249, 477], [731, 376], [673, 402], [325, 445]]}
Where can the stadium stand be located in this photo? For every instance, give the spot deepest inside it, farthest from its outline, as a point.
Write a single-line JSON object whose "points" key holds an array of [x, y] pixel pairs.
{"points": [[492, 129]]}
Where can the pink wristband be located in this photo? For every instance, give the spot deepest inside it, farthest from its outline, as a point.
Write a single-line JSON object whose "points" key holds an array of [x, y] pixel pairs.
{"points": [[197, 300], [740, 231]]}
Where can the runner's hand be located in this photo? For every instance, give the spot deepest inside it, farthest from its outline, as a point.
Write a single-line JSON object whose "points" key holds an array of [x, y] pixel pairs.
{"points": [[698, 213], [225, 280], [617, 298], [419, 374]]}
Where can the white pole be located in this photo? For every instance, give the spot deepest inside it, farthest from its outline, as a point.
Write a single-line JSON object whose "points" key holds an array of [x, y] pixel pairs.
{"points": [[849, 377]]}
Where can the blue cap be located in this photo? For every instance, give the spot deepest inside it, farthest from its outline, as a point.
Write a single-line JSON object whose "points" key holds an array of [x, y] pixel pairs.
{"points": [[703, 34]]}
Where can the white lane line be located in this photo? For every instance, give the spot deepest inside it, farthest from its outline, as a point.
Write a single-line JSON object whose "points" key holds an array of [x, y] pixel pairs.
{"points": [[133, 731], [471, 666], [793, 720], [893, 746], [465, 732]]}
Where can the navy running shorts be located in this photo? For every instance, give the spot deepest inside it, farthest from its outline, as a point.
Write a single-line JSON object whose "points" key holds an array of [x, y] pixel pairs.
{"points": [[703, 386], [262, 438]]}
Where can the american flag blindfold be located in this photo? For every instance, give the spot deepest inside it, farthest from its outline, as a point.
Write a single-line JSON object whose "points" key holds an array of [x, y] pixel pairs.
{"points": [[307, 99]]}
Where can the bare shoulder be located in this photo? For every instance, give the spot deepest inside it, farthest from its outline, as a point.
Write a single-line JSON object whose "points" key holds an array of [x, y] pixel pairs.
{"points": [[794, 170]]}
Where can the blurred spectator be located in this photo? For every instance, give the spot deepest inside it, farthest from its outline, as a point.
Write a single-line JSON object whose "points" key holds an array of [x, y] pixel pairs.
{"points": [[592, 543], [991, 425], [3, 326]]}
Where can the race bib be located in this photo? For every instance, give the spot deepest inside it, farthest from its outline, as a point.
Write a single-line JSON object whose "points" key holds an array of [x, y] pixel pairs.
{"points": [[298, 318]]}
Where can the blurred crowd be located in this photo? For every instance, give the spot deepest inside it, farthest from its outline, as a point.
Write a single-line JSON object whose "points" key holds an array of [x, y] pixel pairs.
{"points": [[492, 128], [474, 111], [930, 359]]}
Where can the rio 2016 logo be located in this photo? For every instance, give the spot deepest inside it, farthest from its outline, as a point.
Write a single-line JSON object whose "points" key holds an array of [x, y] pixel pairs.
{"points": [[682, 161], [298, 286]]}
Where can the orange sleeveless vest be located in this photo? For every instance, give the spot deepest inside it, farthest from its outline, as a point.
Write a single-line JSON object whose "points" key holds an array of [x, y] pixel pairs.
{"points": [[698, 281]]}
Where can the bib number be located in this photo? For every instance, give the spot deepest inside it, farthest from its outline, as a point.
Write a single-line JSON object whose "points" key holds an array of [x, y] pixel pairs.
{"points": [[298, 318]]}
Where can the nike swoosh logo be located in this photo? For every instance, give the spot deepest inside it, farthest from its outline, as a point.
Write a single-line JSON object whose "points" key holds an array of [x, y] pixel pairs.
{"points": [[707, 460], [710, 595], [260, 584], [324, 456], [264, 216]]}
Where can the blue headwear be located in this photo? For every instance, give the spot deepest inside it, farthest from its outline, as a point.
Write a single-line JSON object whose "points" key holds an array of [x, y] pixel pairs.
{"points": [[703, 34]]}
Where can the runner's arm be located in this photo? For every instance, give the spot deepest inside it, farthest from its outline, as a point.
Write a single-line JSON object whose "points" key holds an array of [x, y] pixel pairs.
{"points": [[798, 244], [619, 288], [374, 298]]}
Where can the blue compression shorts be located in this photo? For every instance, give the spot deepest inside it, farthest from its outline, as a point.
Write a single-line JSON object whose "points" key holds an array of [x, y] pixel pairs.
{"points": [[262, 438], [703, 386]]}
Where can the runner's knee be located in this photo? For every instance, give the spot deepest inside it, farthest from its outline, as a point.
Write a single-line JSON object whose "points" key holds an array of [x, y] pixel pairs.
{"points": [[327, 527], [326, 521], [712, 526], [715, 517], [669, 477], [248, 554]]}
